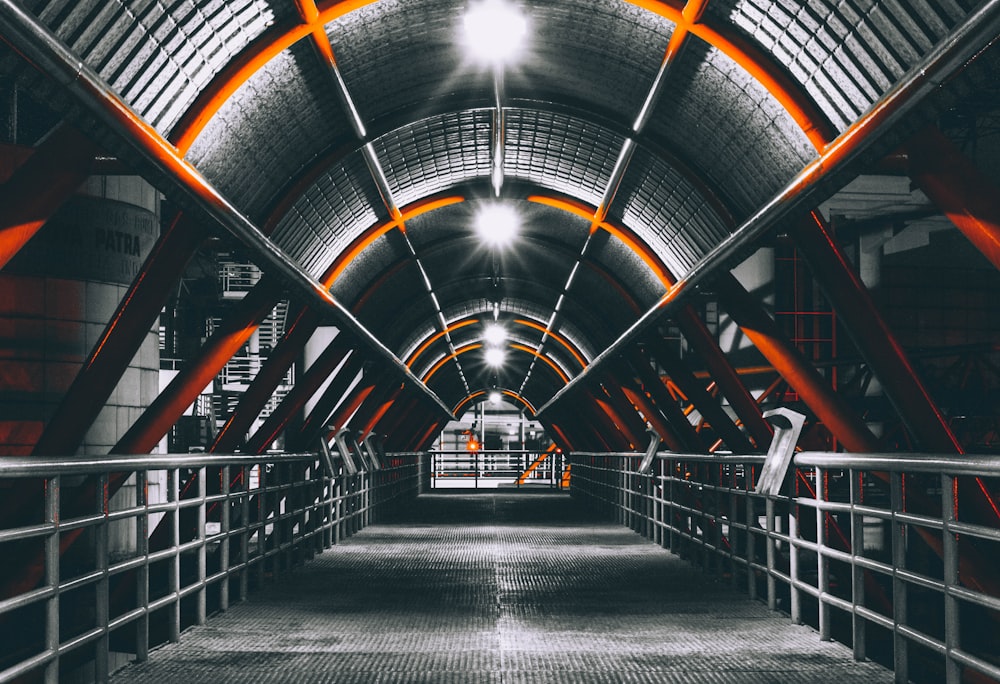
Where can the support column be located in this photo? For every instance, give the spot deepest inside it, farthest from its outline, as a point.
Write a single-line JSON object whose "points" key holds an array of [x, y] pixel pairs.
{"points": [[685, 437], [815, 391], [961, 191], [186, 387]]}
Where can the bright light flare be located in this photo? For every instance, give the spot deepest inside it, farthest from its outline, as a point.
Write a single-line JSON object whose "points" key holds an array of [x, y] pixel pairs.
{"points": [[494, 31], [495, 334], [495, 356], [496, 397], [497, 224]]}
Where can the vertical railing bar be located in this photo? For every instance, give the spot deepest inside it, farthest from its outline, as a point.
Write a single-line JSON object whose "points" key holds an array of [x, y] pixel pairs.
{"points": [[899, 602], [795, 597], [52, 517], [858, 623], [822, 562], [102, 594], [952, 627], [174, 571], [772, 595], [201, 600], [142, 572], [245, 527], [224, 529]]}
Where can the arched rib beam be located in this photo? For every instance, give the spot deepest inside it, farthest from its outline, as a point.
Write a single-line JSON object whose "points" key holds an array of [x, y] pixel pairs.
{"points": [[772, 77], [460, 406]]}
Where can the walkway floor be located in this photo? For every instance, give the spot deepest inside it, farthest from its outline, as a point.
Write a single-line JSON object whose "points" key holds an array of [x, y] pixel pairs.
{"points": [[500, 587]]}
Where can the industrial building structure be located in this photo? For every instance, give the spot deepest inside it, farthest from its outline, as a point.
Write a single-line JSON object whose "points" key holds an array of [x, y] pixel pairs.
{"points": [[258, 256]]}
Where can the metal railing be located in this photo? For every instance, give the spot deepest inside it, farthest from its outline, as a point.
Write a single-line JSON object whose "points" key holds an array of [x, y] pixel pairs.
{"points": [[495, 468], [94, 585], [872, 550]]}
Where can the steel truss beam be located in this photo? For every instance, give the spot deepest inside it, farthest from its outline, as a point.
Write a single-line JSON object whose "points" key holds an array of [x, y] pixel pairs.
{"points": [[815, 180], [135, 316], [41, 185], [678, 433], [961, 191], [29, 37]]}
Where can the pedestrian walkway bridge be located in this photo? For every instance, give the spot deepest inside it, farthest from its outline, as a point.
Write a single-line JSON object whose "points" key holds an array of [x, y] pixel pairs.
{"points": [[348, 567], [500, 587]]}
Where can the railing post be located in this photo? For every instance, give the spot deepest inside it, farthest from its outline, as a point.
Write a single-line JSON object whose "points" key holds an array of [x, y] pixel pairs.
{"points": [[899, 603], [102, 598], [795, 607], [245, 533], [772, 595], [224, 523], [52, 487], [751, 537], [174, 571], [952, 626], [858, 631], [822, 564], [201, 599], [142, 572]]}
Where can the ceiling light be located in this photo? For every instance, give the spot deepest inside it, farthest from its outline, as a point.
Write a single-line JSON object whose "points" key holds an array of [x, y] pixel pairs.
{"points": [[497, 224], [494, 31], [496, 397], [494, 334], [495, 356]]}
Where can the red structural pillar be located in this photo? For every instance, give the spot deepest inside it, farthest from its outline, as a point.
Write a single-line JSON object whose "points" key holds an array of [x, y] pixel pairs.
{"points": [[185, 388], [725, 376], [41, 185], [873, 337], [816, 392], [960, 190], [121, 339], [270, 375], [678, 433], [696, 393], [306, 386]]}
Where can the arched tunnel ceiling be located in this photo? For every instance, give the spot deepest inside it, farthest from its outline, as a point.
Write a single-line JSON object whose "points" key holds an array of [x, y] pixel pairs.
{"points": [[634, 137]]}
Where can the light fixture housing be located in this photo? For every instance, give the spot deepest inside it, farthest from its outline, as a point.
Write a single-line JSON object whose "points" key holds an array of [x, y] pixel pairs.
{"points": [[495, 397], [495, 356], [494, 334], [497, 224], [494, 31]]}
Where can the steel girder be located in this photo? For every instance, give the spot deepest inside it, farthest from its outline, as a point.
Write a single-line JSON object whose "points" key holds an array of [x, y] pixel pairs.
{"points": [[815, 390], [41, 185], [695, 391], [121, 339], [961, 191], [237, 328], [678, 433], [315, 422]]}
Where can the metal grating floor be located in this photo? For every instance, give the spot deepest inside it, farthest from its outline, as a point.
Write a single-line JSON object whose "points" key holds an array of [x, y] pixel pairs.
{"points": [[500, 587]]}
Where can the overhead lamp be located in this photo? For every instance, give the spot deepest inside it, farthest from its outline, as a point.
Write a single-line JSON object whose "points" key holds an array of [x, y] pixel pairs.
{"points": [[495, 356], [496, 397], [497, 224], [494, 334], [494, 31]]}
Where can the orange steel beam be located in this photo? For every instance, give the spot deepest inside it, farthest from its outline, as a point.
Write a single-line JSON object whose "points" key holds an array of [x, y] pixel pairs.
{"points": [[534, 465], [789, 94], [961, 191], [314, 424], [709, 407], [185, 388], [506, 392], [397, 414], [136, 313], [437, 336], [379, 411], [664, 414], [41, 185], [272, 371], [601, 406], [722, 372], [351, 405], [872, 335], [814, 389], [305, 387], [626, 411]]}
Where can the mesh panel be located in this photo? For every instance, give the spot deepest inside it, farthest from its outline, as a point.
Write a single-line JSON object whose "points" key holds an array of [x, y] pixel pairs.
{"points": [[845, 54], [561, 153], [434, 154], [328, 216], [667, 212], [158, 55]]}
